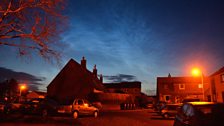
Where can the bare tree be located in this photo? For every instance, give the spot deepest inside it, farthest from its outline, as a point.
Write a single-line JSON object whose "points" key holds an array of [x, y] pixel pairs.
{"points": [[32, 25]]}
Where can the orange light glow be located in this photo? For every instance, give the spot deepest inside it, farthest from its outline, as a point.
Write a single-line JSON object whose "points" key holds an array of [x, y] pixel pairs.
{"points": [[22, 87], [196, 72], [86, 105]]}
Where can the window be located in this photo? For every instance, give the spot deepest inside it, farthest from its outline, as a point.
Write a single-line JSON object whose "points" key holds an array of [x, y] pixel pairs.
{"points": [[200, 85], [222, 77], [167, 98], [80, 102], [181, 86]]}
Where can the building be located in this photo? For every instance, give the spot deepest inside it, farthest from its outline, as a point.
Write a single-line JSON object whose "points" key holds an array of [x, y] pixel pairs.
{"points": [[74, 81], [36, 94], [217, 85], [175, 89], [124, 87]]}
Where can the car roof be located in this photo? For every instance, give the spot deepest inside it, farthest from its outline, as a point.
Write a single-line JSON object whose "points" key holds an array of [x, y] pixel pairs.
{"points": [[200, 103]]}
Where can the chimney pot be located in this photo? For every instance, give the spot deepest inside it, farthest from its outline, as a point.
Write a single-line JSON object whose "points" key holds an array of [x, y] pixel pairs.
{"points": [[95, 71], [83, 62], [169, 75]]}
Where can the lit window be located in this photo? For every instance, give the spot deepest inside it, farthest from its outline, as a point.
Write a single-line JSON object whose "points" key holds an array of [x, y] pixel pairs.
{"points": [[200, 85], [181, 86]]}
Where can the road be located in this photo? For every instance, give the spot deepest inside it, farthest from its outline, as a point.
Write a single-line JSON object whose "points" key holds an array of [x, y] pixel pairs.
{"points": [[110, 118], [128, 118]]}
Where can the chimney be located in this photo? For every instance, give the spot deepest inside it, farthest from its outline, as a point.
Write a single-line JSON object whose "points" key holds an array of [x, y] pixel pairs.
{"points": [[169, 75], [83, 62], [101, 78], [95, 71]]}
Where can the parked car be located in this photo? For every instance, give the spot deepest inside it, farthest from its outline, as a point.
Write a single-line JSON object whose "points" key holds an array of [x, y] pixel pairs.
{"points": [[170, 110], [12, 107], [79, 107], [48, 107], [200, 114], [40, 106]]}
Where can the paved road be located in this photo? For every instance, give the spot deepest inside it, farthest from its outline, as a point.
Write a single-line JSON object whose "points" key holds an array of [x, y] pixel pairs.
{"points": [[110, 118], [128, 118]]}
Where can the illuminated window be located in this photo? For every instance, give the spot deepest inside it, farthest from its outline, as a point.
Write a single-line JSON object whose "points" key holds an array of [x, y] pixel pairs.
{"points": [[181, 86], [200, 85], [222, 77]]}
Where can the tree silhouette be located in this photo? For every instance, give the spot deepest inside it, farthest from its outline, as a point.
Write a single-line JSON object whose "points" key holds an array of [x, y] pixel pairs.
{"points": [[32, 26], [9, 88]]}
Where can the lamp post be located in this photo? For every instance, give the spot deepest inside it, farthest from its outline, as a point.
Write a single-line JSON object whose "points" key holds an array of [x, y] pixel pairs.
{"points": [[197, 72], [21, 88]]}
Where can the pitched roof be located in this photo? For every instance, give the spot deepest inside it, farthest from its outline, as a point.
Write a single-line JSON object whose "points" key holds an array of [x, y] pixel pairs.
{"points": [[180, 79], [72, 80], [221, 70]]}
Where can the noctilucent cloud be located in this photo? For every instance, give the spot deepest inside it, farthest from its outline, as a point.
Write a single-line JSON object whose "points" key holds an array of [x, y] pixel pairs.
{"points": [[143, 39]]}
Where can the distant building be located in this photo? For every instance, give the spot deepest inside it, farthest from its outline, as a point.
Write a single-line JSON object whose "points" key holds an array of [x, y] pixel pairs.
{"points": [[36, 94], [124, 87], [74, 81], [217, 85], [175, 89]]}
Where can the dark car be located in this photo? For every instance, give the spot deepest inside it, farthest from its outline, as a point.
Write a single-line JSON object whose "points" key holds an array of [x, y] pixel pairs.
{"points": [[12, 107], [31, 106], [48, 107], [169, 110], [200, 114], [40, 106]]}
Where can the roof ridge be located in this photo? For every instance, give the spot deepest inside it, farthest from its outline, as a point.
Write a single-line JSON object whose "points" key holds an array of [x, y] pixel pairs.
{"points": [[218, 71]]}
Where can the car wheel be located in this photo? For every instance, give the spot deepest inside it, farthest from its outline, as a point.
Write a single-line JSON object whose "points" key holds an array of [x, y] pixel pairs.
{"points": [[44, 113], [75, 114], [95, 114], [166, 115]]}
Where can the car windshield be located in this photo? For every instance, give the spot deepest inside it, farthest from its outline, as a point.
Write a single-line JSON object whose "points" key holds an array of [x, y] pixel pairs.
{"points": [[86, 102]]}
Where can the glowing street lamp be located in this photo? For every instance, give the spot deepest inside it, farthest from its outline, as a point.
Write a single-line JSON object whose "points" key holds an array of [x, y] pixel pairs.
{"points": [[197, 72], [21, 88]]}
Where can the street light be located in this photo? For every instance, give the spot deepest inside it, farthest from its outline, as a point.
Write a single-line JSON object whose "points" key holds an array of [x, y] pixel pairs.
{"points": [[197, 72], [21, 88]]}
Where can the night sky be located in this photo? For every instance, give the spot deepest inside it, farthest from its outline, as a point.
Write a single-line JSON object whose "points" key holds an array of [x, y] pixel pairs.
{"points": [[135, 40]]}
